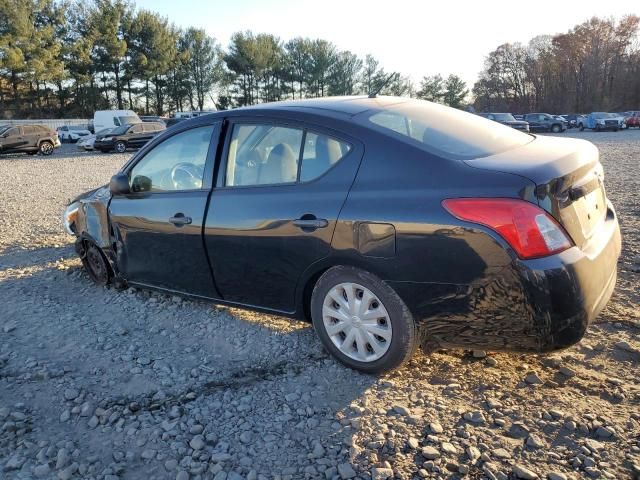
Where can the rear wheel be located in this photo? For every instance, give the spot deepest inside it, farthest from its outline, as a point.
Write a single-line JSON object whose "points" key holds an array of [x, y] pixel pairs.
{"points": [[96, 264], [120, 147], [46, 147], [361, 321]]}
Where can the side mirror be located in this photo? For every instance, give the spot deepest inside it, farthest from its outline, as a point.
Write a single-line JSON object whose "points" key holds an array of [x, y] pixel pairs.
{"points": [[119, 184]]}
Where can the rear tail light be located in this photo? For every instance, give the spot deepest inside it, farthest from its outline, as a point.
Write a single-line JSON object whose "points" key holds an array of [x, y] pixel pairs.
{"points": [[530, 231]]}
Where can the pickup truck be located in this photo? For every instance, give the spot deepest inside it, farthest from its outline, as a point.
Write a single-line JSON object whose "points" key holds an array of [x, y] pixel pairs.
{"points": [[632, 119], [600, 121]]}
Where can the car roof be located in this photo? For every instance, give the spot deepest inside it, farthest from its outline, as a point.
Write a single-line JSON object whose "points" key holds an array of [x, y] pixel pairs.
{"points": [[346, 106]]}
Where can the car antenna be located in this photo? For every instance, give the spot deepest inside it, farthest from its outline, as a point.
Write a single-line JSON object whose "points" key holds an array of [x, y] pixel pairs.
{"points": [[384, 84]]}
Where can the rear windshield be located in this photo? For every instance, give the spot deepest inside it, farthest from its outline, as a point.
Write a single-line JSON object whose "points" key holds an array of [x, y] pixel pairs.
{"points": [[445, 131]]}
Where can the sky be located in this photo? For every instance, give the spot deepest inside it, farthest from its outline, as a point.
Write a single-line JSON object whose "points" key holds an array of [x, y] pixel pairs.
{"points": [[415, 38]]}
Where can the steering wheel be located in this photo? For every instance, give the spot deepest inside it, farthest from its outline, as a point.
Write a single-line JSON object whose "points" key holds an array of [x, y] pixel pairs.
{"points": [[186, 176]]}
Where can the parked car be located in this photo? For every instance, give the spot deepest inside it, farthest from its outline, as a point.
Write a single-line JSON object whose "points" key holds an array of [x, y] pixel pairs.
{"points": [[632, 119], [114, 118], [519, 117], [29, 139], [153, 118], [87, 143], [193, 113], [173, 121], [599, 121], [72, 133], [507, 119], [572, 120], [543, 122], [386, 221], [128, 136]]}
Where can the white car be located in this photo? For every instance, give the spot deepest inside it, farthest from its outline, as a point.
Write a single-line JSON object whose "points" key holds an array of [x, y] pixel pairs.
{"points": [[72, 133], [87, 142]]}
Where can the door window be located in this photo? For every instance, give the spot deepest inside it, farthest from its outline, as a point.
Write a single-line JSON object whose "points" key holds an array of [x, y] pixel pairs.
{"points": [[263, 155], [28, 130], [12, 132], [321, 152], [136, 129], [269, 155], [175, 164]]}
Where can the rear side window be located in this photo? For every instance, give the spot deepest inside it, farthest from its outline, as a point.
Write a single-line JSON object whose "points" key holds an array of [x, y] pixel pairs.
{"points": [[444, 131], [28, 130], [263, 155], [272, 155], [321, 152]]}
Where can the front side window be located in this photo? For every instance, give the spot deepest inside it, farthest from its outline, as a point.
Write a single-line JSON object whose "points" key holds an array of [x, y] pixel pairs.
{"points": [[12, 132], [263, 155], [175, 164]]}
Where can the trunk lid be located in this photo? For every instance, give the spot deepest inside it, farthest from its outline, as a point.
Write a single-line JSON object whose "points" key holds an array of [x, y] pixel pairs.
{"points": [[568, 177]]}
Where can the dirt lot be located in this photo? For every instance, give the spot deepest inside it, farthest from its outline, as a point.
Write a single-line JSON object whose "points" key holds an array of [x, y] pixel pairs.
{"points": [[96, 383]]}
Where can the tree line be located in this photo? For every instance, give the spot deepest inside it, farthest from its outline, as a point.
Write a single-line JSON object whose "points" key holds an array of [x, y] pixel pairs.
{"points": [[593, 67], [68, 58], [72, 57]]}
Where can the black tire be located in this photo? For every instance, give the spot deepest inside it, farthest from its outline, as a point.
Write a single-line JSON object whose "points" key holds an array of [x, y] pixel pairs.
{"points": [[581, 127], [555, 128], [46, 147], [120, 147], [404, 340], [96, 264]]}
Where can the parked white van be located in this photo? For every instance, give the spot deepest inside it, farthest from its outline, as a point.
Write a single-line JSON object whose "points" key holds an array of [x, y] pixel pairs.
{"points": [[113, 118]]}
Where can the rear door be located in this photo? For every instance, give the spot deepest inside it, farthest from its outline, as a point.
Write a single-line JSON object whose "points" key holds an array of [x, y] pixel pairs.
{"points": [[158, 227], [280, 189]]}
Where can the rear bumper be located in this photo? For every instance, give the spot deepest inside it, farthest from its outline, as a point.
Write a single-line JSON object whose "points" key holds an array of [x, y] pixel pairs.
{"points": [[536, 305]]}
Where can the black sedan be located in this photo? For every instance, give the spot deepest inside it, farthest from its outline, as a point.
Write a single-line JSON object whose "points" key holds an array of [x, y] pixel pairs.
{"points": [[507, 119], [387, 222]]}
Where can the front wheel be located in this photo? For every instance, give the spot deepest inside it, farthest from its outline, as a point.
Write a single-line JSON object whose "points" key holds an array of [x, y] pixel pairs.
{"points": [[581, 127], [46, 148], [120, 147], [96, 264], [361, 321], [556, 128]]}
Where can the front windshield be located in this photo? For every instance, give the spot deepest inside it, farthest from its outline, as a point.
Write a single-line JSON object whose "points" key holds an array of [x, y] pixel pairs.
{"points": [[600, 115], [120, 130], [104, 131], [4, 128], [444, 131]]}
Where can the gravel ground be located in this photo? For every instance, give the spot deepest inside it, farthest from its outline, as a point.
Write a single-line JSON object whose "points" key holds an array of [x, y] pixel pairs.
{"points": [[101, 384]]}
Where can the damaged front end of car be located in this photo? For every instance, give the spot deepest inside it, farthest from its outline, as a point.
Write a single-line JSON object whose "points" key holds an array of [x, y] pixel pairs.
{"points": [[87, 218]]}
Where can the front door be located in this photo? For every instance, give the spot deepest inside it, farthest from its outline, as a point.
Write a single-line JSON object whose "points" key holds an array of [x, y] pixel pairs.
{"points": [[158, 226], [280, 190], [13, 139]]}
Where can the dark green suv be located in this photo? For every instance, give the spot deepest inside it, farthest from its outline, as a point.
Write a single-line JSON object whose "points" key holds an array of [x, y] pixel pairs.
{"points": [[29, 139]]}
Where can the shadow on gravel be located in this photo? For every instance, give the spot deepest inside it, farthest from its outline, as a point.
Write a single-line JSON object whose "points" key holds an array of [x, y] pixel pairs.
{"points": [[19, 257]]}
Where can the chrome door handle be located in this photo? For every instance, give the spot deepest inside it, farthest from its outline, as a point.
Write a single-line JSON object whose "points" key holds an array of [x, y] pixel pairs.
{"points": [[179, 220], [311, 223]]}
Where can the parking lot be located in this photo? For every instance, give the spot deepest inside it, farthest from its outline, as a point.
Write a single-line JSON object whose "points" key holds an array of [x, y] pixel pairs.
{"points": [[96, 383]]}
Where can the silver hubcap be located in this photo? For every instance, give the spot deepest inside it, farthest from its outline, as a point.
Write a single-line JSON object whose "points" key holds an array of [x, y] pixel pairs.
{"points": [[120, 148], [357, 322]]}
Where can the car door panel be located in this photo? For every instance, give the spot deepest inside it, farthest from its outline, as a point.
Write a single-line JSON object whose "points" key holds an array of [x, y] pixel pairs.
{"points": [[261, 239], [158, 235]]}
